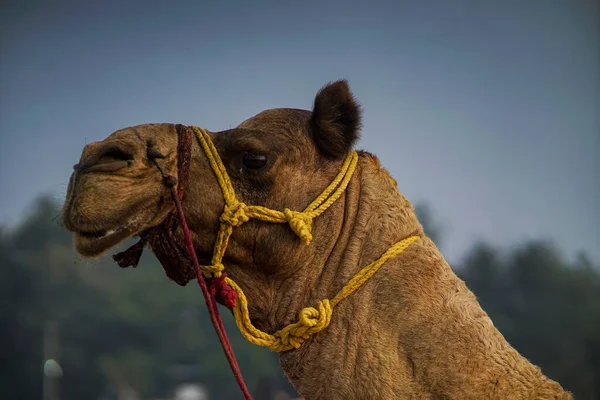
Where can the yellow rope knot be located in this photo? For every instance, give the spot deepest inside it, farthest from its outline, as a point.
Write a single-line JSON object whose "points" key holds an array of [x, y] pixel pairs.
{"points": [[310, 321], [314, 319], [235, 214], [212, 270], [301, 224]]}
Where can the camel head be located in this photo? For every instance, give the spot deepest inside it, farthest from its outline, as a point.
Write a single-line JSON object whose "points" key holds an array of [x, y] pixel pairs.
{"points": [[280, 158]]}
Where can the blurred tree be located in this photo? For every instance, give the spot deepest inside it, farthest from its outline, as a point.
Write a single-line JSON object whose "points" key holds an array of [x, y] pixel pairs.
{"points": [[21, 366]]}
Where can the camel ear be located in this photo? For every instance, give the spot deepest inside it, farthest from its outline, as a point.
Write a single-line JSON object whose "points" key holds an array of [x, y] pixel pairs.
{"points": [[336, 120]]}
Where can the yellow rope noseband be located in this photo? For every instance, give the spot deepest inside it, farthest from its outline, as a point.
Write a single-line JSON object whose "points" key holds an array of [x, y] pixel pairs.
{"points": [[310, 320]]}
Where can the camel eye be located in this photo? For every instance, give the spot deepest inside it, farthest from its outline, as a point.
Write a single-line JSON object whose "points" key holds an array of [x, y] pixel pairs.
{"points": [[254, 162]]}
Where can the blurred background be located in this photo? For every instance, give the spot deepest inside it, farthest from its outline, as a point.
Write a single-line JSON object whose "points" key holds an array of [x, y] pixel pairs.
{"points": [[485, 112]]}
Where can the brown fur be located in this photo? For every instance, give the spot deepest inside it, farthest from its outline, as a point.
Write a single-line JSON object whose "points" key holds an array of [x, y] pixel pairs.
{"points": [[414, 331]]}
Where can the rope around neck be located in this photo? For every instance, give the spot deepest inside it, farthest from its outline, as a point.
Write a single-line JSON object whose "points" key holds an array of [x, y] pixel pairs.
{"points": [[235, 213], [310, 320]]}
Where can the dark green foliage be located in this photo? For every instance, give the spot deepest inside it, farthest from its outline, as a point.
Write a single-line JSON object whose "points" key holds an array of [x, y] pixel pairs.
{"points": [[134, 327]]}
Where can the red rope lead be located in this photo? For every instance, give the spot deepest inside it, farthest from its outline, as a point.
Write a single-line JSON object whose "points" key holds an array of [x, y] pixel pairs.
{"points": [[211, 301]]}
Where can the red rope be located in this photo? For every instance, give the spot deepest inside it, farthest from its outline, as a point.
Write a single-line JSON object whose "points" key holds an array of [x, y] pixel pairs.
{"points": [[211, 301]]}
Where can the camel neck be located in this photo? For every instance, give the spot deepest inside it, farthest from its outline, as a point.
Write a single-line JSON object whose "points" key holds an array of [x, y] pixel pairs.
{"points": [[372, 216], [414, 330], [323, 271]]}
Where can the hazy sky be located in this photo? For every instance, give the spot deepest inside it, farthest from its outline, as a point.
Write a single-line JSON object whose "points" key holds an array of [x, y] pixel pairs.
{"points": [[487, 110]]}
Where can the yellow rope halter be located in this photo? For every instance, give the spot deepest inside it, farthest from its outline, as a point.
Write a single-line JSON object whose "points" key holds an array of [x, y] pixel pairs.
{"points": [[310, 320]]}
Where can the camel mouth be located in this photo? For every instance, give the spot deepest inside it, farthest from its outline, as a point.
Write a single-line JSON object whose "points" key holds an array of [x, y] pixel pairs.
{"points": [[100, 235], [95, 243]]}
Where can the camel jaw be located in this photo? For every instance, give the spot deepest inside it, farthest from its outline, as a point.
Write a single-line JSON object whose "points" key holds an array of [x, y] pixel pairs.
{"points": [[93, 244]]}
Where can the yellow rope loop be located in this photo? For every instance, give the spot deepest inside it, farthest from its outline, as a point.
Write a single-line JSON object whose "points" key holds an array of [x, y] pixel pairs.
{"points": [[336, 187], [235, 214], [216, 163], [310, 320], [301, 224], [367, 272], [242, 319]]}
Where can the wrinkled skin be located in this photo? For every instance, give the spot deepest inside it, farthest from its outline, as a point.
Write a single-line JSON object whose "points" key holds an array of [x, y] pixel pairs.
{"points": [[412, 331]]}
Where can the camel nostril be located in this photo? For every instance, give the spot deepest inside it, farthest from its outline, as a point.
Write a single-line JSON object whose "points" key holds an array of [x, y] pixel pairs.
{"points": [[152, 153], [109, 157], [114, 153]]}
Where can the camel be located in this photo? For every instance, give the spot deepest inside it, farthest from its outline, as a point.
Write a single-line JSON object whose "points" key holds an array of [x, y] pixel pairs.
{"points": [[412, 331]]}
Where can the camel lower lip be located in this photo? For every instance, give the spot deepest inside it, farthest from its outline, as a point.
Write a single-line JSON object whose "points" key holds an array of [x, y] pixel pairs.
{"points": [[95, 243], [99, 235]]}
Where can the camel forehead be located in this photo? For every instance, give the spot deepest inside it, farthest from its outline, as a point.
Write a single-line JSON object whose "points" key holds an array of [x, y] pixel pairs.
{"points": [[279, 119]]}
